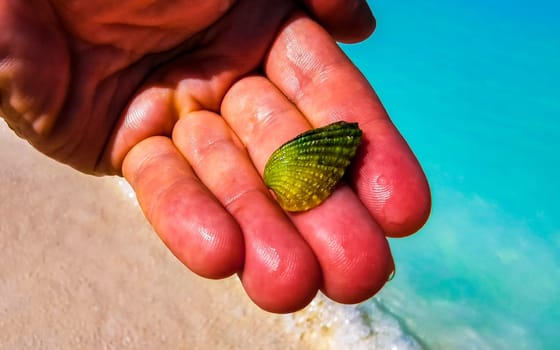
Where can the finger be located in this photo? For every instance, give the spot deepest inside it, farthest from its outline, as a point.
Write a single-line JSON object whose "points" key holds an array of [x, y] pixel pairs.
{"points": [[150, 113], [310, 69], [346, 20], [351, 249], [281, 273], [186, 216]]}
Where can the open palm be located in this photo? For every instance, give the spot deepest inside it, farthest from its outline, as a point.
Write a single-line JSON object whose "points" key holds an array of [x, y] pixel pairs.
{"points": [[187, 100]]}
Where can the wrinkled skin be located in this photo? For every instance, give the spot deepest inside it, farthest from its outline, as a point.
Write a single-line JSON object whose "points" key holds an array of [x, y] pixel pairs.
{"points": [[187, 100]]}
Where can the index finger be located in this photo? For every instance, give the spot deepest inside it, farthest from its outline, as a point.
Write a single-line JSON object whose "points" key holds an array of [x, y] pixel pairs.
{"points": [[322, 82]]}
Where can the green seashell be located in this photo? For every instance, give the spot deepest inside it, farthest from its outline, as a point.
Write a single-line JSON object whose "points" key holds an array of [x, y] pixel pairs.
{"points": [[304, 171]]}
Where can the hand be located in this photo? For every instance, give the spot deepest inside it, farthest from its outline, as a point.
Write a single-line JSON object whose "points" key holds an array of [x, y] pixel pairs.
{"points": [[187, 100]]}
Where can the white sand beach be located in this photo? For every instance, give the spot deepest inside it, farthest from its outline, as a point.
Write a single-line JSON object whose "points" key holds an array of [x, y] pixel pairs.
{"points": [[80, 268]]}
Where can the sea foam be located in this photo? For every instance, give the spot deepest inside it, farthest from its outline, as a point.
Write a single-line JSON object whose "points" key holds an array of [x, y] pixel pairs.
{"points": [[330, 325]]}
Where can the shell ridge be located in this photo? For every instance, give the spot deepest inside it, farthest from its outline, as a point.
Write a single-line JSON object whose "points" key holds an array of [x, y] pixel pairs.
{"points": [[305, 170]]}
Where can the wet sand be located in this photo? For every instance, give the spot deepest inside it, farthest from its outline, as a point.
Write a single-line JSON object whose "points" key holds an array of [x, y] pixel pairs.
{"points": [[80, 268]]}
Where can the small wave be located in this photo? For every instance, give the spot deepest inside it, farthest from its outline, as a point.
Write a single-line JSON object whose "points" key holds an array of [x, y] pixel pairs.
{"points": [[329, 325]]}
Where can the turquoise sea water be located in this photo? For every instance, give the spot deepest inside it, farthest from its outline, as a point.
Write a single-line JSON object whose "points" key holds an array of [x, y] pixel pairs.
{"points": [[474, 86]]}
